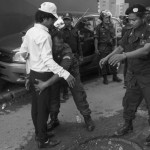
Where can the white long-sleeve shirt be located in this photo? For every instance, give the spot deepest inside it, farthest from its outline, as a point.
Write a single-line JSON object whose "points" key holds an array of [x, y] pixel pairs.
{"points": [[37, 42]]}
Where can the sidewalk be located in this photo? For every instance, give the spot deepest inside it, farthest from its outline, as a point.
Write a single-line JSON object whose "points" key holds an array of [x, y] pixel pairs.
{"points": [[11, 95]]}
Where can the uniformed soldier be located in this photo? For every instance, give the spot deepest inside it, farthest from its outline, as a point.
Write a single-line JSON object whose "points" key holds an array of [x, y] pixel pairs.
{"points": [[104, 44], [70, 35], [136, 46], [63, 55]]}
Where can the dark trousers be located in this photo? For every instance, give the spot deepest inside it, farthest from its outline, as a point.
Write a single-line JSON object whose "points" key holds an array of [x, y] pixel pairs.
{"points": [[40, 103], [133, 98], [79, 97], [107, 69], [64, 87]]}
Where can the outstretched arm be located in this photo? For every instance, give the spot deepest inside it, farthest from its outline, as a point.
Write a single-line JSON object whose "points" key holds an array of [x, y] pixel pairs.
{"points": [[134, 54]]}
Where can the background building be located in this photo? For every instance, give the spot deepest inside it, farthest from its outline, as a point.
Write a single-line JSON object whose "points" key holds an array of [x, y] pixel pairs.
{"points": [[117, 7]]}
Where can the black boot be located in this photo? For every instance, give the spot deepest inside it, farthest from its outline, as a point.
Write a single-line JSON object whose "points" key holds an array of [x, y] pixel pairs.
{"points": [[48, 143], [116, 78], [125, 129], [89, 123], [53, 123], [105, 81], [147, 142]]}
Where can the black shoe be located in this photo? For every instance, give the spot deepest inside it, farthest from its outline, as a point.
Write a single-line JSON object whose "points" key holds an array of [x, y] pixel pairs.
{"points": [[89, 123], [116, 79], [52, 124], [49, 135], [125, 129], [48, 143], [105, 81], [147, 142]]}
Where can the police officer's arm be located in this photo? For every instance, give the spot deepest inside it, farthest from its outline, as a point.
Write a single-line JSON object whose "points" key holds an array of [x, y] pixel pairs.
{"points": [[134, 54], [96, 36], [139, 52], [117, 50], [65, 63], [96, 45]]}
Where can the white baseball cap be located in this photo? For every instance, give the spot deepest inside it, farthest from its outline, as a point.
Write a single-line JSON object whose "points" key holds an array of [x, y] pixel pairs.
{"points": [[49, 7]]}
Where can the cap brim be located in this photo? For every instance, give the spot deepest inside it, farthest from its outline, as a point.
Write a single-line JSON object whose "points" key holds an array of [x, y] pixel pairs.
{"points": [[55, 15]]}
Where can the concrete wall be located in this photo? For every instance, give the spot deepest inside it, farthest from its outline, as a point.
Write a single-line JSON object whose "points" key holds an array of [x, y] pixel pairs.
{"points": [[15, 15]]}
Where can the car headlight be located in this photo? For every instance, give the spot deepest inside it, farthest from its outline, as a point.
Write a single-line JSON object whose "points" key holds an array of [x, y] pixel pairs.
{"points": [[18, 57]]}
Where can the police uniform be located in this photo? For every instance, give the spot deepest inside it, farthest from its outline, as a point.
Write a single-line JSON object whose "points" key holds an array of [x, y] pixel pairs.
{"points": [[105, 33], [138, 72], [71, 36], [68, 61]]}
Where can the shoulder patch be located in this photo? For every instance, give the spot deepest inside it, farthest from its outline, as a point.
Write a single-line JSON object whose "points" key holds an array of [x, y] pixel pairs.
{"points": [[66, 57]]}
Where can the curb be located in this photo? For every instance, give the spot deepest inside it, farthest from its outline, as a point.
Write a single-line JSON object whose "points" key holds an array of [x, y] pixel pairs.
{"points": [[10, 96]]}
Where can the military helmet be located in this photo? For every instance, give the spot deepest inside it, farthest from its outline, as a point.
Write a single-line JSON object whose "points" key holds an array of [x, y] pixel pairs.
{"points": [[105, 13], [67, 16]]}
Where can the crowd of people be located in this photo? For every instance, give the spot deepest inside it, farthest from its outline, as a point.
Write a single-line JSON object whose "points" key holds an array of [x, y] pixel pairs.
{"points": [[52, 66]]}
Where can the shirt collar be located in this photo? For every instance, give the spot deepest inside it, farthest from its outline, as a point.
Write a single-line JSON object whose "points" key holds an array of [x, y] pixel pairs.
{"points": [[140, 31], [38, 25]]}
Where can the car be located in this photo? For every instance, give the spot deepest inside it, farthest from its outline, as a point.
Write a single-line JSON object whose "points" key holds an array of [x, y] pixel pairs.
{"points": [[13, 70]]}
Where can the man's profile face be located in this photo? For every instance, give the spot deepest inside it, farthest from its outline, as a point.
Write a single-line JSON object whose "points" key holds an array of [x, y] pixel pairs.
{"points": [[67, 22], [106, 19], [50, 22], [134, 20], [58, 45]]}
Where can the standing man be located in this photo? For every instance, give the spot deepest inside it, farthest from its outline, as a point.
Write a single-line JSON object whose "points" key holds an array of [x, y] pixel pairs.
{"points": [[71, 37], [136, 46], [63, 55], [104, 44], [37, 44]]}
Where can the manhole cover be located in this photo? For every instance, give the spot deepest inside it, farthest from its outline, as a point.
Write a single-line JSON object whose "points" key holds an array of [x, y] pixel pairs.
{"points": [[103, 143]]}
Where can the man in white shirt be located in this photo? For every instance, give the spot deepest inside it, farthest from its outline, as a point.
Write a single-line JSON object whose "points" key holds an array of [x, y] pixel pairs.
{"points": [[40, 65]]}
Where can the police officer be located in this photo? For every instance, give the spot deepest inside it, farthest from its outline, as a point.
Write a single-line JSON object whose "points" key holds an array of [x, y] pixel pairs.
{"points": [[70, 35], [104, 44], [63, 55], [136, 46]]}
